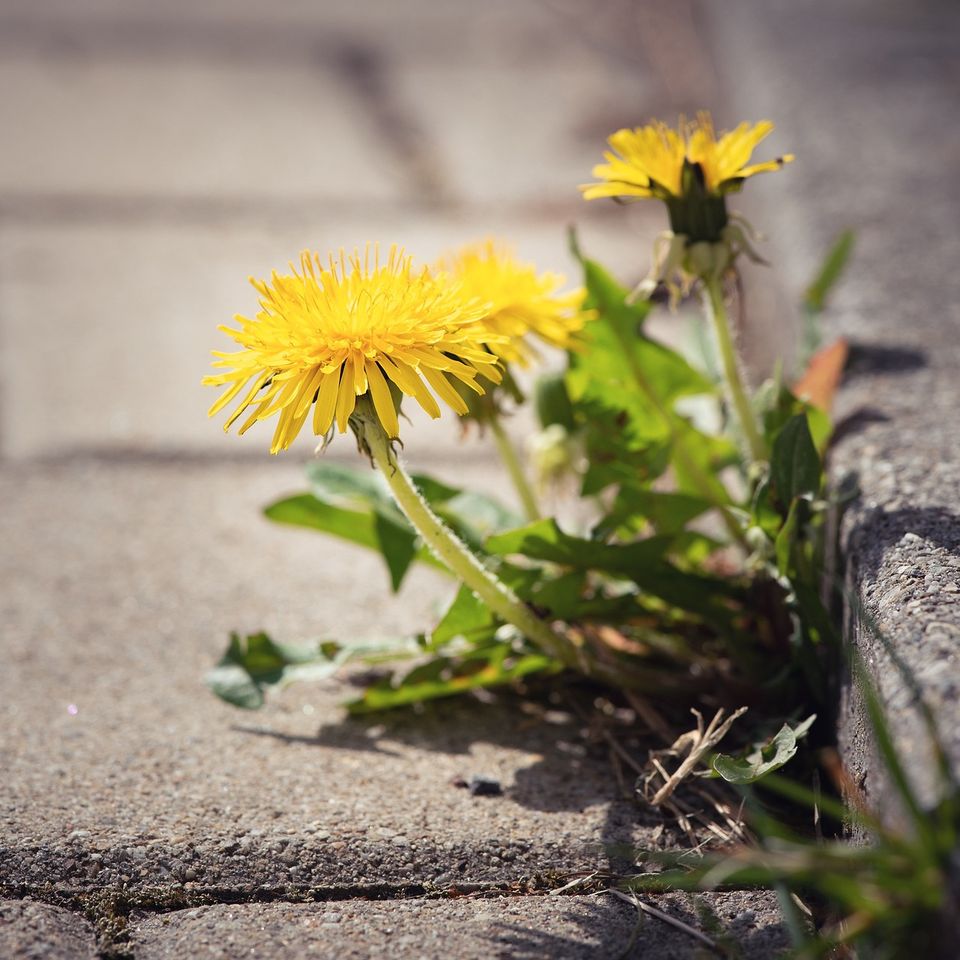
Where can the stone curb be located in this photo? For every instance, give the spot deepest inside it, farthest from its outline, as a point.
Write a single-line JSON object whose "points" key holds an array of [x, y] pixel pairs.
{"points": [[834, 77]]}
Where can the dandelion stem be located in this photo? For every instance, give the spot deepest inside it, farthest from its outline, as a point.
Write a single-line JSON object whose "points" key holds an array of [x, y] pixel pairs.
{"points": [[448, 548], [508, 454], [717, 312]]}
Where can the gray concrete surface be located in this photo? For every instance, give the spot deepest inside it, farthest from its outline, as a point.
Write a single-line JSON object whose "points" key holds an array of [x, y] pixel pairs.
{"points": [[860, 92], [574, 927], [122, 582], [124, 777], [37, 931]]}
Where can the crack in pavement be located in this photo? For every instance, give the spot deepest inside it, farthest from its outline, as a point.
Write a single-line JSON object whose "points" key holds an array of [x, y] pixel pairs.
{"points": [[110, 909]]}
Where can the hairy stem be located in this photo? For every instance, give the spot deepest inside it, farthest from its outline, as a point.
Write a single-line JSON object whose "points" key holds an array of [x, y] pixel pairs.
{"points": [[449, 549], [508, 454], [717, 312]]}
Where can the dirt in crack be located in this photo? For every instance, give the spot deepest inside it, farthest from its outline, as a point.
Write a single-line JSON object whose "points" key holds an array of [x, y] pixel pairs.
{"points": [[110, 910]]}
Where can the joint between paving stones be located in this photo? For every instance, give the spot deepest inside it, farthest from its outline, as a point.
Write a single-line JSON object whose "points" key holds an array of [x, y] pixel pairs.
{"points": [[109, 909]]}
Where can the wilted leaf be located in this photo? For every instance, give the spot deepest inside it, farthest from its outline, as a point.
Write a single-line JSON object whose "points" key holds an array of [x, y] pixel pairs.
{"points": [[819, 382], [765, 759]]}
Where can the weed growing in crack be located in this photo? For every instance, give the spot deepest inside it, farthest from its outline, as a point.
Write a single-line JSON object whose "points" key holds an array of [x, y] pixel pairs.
{"points": [[675, 534]]}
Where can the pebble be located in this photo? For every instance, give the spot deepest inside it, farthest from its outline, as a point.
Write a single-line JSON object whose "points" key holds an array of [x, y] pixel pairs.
{"points": [[481, 786]]}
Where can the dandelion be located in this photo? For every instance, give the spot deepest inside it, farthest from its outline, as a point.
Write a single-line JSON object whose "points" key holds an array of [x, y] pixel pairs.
{"points": [[347, 339], [328, 334], [656, 161], [521, 302], [692, 170], [523, 306]]}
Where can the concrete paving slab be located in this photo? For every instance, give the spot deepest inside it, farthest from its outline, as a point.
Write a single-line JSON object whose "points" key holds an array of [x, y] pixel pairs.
{"points": [[121, 583], [280, 131], [38, 931], [857, 90], [569, 927]]}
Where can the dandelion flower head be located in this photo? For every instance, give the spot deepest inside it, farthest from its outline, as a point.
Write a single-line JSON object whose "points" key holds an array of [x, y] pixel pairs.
{"points": [[328, 333], [657, 161], [522, 303]]}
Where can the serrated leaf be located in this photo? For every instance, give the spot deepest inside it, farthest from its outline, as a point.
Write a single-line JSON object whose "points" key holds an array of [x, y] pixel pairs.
{"points": [[544, 540], [766, 759], [624, 386], [643, 563]]}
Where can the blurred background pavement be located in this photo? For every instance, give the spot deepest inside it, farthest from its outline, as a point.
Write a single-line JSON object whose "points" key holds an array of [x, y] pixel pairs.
{"points": [[156, 155]]}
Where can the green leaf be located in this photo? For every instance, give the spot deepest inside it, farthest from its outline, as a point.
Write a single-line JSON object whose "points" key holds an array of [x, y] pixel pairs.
{"points": [[795, 467], [831, 270], [467, 617], [552, 401], [637, 507], [560, 595], [624, 386], [364, 527], [544, 540], [253, 663], [474, 516], [356, 505], [609, 298], [783, 405], [398, 545], [764, 759], [445, 677], [643, 563], [786, 540], [363, 490]]}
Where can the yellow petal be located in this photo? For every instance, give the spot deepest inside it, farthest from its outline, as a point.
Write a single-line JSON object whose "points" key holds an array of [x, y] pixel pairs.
{"points": [[383, 400]]}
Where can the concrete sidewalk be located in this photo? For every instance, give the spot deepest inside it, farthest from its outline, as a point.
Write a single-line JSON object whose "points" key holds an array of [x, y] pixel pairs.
{"points": [[130, 792], [155, 156]]}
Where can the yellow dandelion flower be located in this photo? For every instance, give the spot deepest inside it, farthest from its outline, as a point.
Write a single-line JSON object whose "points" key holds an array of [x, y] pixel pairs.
{"points": [[326, 335], [656, 161], [520, 301]]}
